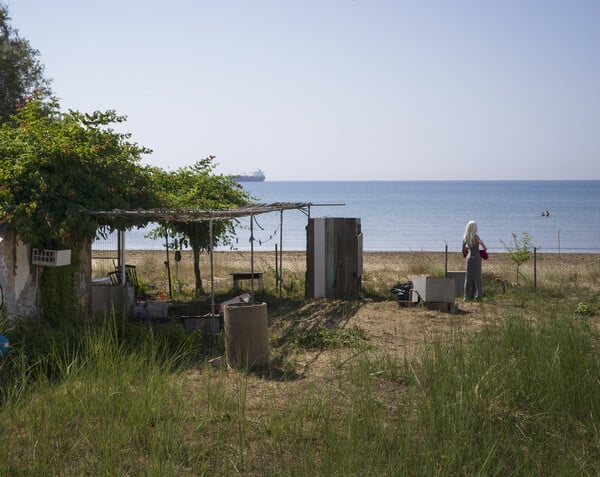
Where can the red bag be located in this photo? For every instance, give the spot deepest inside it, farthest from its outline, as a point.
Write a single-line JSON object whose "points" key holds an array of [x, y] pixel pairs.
{"points": [[483, 254]]}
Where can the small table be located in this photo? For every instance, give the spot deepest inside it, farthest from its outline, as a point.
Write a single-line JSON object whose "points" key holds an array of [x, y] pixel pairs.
{"points": [[247, 276]]}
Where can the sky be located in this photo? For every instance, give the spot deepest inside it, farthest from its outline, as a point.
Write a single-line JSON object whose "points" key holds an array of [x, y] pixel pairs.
{"points": [[336, 89]]}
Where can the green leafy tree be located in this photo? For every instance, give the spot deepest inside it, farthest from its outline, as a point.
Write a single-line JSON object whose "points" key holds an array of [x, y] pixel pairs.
{"points": [[196, 187], [21, 73], [520, 250], [55, 167]]}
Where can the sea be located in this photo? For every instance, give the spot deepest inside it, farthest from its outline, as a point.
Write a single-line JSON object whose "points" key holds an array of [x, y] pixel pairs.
{"points": [[559, 216]]}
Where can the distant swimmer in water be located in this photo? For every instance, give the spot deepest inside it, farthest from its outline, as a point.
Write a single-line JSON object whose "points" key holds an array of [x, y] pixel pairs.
{"points": [[546, 214]]}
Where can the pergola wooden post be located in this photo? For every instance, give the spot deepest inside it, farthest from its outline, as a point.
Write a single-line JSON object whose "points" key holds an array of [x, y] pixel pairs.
{"points": [[183, 216]]}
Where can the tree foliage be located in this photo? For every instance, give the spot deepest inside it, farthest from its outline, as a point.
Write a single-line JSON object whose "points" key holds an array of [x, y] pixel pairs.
{"points": [[21, 73], [520, 250], [55, 167], [196, 187]]}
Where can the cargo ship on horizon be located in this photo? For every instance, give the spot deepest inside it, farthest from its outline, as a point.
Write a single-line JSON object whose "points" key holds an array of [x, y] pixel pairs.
{"points": [[256, 176]]}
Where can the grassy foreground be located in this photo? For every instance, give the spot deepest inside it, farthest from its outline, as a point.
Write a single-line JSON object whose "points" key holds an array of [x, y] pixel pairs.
{"points": [[517, 394]]}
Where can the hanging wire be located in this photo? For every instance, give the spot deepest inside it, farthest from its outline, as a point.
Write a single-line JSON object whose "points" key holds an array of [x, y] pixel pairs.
{"points": [[271, 237]]}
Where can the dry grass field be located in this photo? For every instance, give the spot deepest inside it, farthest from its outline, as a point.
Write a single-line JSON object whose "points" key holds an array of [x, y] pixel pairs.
{"points": [[387, 326], [381, 270]]}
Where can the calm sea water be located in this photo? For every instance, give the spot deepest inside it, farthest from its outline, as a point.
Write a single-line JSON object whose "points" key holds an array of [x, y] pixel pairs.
{"points": [[428, 215]]}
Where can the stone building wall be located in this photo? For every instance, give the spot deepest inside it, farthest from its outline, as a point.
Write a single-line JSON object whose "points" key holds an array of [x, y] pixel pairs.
{"points": [[18, 278]]}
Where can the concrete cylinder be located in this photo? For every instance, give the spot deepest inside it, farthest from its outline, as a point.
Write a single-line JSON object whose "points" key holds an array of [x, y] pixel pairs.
{"points": [[246, 335]]}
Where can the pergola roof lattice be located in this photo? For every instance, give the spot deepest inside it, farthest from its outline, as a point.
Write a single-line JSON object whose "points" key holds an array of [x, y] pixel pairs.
{"points": [[183, 216], [194, 215]]}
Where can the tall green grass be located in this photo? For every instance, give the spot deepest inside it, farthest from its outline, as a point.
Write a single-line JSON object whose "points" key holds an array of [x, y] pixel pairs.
{"points": [[94, 399], [521, 397]]}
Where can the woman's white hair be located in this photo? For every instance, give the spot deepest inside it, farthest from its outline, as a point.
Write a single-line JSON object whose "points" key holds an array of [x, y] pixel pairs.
{"points": [[470, 233]]}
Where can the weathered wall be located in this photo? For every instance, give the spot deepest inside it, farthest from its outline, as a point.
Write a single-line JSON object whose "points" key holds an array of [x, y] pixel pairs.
{"points": [[17, 276], [19, 279]]}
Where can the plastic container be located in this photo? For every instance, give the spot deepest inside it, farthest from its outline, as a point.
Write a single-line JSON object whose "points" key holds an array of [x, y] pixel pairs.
{"points": [[3, 346]]}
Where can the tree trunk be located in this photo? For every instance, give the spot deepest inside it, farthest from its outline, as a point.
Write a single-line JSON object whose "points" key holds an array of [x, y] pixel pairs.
{"points": [[198, 290]]}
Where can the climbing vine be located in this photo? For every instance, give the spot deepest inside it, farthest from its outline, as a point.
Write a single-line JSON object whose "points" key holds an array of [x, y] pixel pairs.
{"points": [[58, 293], [55, 167]]}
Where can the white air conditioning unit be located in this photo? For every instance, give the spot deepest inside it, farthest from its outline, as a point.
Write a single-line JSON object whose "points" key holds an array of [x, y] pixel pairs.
{"points": [[51, 258]]}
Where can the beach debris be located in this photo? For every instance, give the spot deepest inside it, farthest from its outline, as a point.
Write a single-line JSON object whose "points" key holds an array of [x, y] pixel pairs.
{"points": [[402, 291]]}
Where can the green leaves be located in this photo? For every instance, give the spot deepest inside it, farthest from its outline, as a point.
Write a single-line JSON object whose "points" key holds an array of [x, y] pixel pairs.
{"points": [[197, 187], [54, 167], [520, 250], [21, 73]]}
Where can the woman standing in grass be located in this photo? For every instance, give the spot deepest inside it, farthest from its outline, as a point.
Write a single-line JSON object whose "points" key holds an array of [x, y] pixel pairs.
{"points": [[470, 249]]}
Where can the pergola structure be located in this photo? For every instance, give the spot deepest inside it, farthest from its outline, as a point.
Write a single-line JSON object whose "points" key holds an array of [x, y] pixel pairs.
{"points": [[186, 216]]}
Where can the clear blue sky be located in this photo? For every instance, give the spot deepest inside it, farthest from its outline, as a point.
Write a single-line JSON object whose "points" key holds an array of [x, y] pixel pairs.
{"points": [[337, 89]]}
